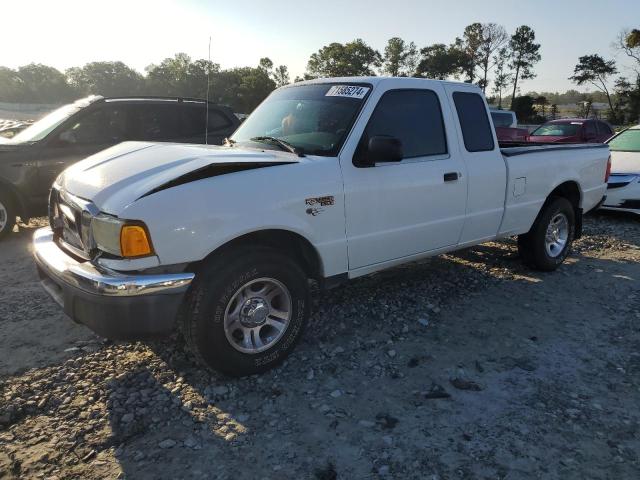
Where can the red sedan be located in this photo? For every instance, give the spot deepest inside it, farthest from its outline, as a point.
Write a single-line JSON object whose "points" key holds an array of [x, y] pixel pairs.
{"points": [[572, 130]]}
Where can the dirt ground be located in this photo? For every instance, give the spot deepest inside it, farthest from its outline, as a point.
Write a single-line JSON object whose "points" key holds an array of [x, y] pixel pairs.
{"points": [[462, 366]]}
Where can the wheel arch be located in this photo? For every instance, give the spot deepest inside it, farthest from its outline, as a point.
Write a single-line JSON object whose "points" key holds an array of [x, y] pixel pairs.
{"points": [[20, 203], [286, 241], [569, 189]]}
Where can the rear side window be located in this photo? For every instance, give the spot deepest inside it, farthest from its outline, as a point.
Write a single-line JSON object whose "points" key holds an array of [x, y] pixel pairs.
{"points": [[157, 122], [502, 119], [474, 122], [194, 120], [412, 116], [604, 129], [590, 128]]}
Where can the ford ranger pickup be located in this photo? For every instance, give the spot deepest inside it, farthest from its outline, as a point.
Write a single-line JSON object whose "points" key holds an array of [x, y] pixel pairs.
{"points": [[327, 180]]}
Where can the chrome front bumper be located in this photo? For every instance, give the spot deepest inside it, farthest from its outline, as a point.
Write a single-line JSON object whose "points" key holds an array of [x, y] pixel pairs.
{"points": [[112, 304]]}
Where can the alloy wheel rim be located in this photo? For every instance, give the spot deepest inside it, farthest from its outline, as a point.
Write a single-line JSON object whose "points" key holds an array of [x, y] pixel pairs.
{"points": [[557, 235], [3, 217], [257, 315]]}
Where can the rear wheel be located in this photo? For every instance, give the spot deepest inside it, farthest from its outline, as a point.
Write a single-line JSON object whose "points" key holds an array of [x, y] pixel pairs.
{"points": [[7, 214], [549, 241], [245, 314]]}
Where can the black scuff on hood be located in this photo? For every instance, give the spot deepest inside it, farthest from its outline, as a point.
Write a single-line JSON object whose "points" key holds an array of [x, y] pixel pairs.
{"points": [[213, 170]]}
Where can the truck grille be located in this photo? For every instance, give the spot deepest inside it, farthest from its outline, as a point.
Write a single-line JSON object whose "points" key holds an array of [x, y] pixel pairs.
{"points": [[70, 219]]}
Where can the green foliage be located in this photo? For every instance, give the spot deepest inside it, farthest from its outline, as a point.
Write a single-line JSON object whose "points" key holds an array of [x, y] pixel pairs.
{"points": [[570, 96], [494, 37], [105, 78], [241, 88], [632, 40], [593, 69], [540, 103], [629, 43], [502, 77], [596, 70], [10, 85], [523, 107], [180, 76], [400, 58], [524, 55], [34, 83], [280, 74], [440, 61], [470, 45], [351, 59], [628, 100]]}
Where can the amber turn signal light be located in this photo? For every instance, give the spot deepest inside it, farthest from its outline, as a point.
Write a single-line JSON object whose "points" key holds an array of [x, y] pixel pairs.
{"points": [[134, 241]]}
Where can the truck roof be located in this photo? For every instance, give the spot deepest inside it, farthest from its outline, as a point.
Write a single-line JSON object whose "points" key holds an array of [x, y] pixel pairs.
{"points": [[374, 81]]}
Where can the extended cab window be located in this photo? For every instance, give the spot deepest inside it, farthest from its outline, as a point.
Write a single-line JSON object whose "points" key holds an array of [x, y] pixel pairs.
{"points": [[413, 117], [474, 122]]}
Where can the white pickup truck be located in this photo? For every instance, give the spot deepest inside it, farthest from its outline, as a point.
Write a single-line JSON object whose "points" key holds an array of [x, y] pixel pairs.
{"points": [[327, 180]]}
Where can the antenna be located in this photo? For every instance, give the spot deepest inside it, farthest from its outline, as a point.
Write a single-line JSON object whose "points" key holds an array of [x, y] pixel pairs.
{"points": [[206, 122]]}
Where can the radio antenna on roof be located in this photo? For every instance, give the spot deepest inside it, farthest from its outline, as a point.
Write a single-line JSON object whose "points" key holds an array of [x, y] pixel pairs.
{"points": [[206, 122]]}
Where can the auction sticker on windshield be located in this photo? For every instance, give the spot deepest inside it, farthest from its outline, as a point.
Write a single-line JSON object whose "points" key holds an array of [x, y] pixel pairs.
{"points": [[347, 91]]}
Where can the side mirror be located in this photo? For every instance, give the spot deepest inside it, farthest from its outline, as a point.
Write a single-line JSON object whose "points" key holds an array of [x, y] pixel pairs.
{"points": [[383, 148]]}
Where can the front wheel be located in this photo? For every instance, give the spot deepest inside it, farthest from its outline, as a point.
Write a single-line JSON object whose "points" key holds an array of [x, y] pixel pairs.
{"points": [[549, 241], [246, 311]]}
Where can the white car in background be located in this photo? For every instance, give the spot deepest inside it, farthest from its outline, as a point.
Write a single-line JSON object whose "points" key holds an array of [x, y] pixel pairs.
{"points": [[623, 192]]}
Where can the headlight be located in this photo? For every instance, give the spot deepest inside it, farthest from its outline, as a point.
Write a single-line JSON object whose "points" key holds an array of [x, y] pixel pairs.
{"points": [[124, 238]]}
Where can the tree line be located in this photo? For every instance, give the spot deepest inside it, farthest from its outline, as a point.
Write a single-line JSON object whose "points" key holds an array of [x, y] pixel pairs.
{"points": [[622, 94], [482, 48], [471, 57], [242, 88], [484, 54]]}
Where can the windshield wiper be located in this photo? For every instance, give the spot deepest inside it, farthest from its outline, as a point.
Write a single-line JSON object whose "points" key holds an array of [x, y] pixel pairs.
{"points": [[281, 143]]}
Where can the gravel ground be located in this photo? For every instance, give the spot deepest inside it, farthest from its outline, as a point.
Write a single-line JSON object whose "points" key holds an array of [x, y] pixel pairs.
{"points": [[462, 366]]}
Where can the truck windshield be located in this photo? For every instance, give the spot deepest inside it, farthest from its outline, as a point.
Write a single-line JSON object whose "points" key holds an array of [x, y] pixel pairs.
{"points": [[627, 141], [314, 119], [557, 130], [45, 125]]}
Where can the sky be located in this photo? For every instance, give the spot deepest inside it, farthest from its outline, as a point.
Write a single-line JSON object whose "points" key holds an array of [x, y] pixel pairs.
{"points": [[66, 33]]}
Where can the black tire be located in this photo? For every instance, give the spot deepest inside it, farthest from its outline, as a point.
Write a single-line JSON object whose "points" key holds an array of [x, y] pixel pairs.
{"points": [[7, 208], [214, 288], [532, 245]]}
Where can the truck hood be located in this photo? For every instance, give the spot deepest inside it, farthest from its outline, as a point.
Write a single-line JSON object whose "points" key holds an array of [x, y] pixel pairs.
{"points": [[118, 176], [625, 162]]}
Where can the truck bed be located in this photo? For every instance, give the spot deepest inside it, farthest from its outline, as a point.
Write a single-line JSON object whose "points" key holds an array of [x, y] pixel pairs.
{"points": [[510, 149], [533, 170]]}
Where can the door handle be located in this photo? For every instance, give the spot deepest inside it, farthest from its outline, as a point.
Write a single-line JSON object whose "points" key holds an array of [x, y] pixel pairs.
{"points": [[451, 176]]}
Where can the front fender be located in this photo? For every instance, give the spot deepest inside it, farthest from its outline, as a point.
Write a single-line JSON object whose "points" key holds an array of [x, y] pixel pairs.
{"points": [[188, 222]]}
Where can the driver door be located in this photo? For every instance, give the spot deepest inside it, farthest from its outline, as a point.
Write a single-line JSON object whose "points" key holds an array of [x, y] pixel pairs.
{"points": [[401, 209], [79, 137]]}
